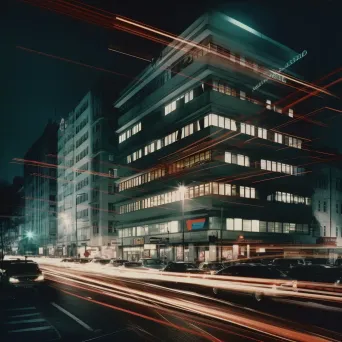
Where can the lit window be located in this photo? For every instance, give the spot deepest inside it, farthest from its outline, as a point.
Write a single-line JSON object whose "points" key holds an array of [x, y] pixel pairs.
{"points": [[268, 104]]}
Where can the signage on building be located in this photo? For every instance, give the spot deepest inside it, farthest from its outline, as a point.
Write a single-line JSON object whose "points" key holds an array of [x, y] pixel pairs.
{"points": [[113, 242], [138, 241], [146, 253], [195, 224], [330, 241], [275, 75]]}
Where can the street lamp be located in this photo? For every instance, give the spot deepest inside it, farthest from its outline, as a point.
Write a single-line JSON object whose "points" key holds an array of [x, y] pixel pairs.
{"points": [[182, 190], [29, 235]]}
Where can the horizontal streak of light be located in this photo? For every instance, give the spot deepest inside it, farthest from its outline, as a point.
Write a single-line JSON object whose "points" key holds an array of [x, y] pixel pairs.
{"points": [[171, 36], [260, 326], [134, 313], [155, 287], [73, 62], [130, 55]]}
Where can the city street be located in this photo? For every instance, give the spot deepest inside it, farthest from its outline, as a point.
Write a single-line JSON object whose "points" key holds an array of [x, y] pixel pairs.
{"points": [[103, 307]]}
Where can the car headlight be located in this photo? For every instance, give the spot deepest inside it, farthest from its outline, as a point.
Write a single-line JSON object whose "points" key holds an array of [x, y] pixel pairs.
{"points": [[13, 280], [40, 278]]}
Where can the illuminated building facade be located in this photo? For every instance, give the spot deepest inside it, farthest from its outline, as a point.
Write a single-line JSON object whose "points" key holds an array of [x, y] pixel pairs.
{"points": [[327, 204], [40, 189], [86, 177], [203, 165]]}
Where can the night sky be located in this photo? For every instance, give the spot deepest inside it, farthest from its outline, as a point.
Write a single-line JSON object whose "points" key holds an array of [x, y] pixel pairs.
{"points": [[37, 88]]}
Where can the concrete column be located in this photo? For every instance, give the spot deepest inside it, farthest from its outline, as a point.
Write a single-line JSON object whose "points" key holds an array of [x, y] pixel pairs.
{"points": [[212, 253], [191, 252], [235, 251]]}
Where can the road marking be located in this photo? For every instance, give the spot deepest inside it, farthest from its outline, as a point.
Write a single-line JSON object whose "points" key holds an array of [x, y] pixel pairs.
{"points": [[30, 329], [26, 308], [25, 315], [21, 321], [84, 325]]}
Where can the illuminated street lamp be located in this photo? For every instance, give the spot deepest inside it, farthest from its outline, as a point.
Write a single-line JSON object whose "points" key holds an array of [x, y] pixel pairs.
{"points": [[182, 191], [30, 235]]}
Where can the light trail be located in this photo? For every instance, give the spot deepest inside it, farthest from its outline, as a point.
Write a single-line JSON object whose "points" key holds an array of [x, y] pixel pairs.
{"points": [[255, 324], [130, 55], [74, 62]]}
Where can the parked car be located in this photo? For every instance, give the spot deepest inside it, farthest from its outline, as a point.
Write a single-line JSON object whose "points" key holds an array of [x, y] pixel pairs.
{"points": [[338, 262], [132, 265], [317, 273], [99, 262], [149, 263], [83, 261], [68, 260], [317, 261], [285, 264], [116, 262], [250, 271], [21, 274], [181, 267], [210, 267]]}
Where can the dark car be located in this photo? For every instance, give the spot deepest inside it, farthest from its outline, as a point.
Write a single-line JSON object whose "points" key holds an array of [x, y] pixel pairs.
{"points": [[285, 264], [116, 262], [132, 265], [181, 267], [317, 273], [317, 261], [251, 271], [83, 261], [21, 274], [338, 262], [210, 267], [68, 260], [154, 264], [99, 262]]}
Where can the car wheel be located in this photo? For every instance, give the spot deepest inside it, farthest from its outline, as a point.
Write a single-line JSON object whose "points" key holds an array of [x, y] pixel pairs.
{"points": [[215, 291]]}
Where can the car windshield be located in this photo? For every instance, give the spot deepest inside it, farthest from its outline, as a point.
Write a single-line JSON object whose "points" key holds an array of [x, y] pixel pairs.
{"points": [[22, 268]]}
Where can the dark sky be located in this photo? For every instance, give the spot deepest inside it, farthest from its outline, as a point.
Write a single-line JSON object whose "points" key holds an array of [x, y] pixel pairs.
{"points": [[34, 87]]}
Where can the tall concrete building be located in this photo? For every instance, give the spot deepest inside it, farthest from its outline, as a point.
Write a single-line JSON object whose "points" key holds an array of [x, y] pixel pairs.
{"points": [[40, 189], [207, 172], [86, 174], [327, 204]]}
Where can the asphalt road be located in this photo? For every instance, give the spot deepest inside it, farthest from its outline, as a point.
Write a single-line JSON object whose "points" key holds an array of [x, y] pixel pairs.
{"points": [[78, 306]]}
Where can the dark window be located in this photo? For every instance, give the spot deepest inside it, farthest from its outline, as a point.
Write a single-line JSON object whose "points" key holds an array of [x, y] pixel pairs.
{"points": [[324, 206]]}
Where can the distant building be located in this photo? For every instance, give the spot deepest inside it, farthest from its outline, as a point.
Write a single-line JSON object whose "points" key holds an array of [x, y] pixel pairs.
{"points": [[11, 214], [86, 174], [327, 204], [207, 176], [40, 189]]}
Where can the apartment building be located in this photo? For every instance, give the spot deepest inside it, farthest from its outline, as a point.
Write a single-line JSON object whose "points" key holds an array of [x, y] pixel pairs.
{"points": [[86, 174], [206, 173], [40, 190]]}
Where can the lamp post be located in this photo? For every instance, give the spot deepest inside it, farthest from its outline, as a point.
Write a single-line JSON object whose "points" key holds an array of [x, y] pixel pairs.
{"points": [[182, 190]]}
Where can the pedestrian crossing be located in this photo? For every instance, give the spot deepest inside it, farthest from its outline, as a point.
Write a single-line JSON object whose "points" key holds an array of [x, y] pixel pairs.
{"points": [[25, 323]]}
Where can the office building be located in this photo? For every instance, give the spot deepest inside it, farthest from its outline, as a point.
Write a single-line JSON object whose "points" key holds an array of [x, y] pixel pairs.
{"points": [[86, 177], [40, 189], [206, 173]]}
